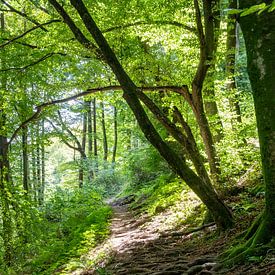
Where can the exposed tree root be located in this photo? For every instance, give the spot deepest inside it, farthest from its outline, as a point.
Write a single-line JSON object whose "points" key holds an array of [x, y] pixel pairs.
{"points": [[258, 243]]}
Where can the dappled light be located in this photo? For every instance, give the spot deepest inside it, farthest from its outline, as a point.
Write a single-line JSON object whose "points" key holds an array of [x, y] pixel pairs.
{"points": [[137, 137]]}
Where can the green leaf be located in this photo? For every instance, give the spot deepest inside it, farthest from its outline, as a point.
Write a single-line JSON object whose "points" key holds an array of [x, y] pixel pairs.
{"points": [[272, 6], [253, 9], [233, 11]]}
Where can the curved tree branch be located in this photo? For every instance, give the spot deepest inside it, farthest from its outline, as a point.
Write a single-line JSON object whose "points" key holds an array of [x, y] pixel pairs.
{"points": [[75, 30], [28, 31], [155, 22], [62, 138], [48, 55], [42, 106]]}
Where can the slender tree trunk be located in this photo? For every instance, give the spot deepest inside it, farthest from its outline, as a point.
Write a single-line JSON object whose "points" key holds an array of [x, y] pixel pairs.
{"points": [[43, 175], [90, 140], [84, 136], [212, 32], [25, 159], [220, 212], [38, 164], [34, 186], [231, 41], [95, 136], [259, 35], [206, 34], [115, 136], [206, 134], [7, 232], [211, 107], [105, 141]]}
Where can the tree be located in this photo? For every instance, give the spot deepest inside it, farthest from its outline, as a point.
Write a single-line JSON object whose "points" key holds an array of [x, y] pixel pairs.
{"points": [[131, 94], [259, 35]]}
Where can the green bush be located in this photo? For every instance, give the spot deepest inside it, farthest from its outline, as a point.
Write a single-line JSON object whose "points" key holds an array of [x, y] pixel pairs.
{"points": [[70, 223]]}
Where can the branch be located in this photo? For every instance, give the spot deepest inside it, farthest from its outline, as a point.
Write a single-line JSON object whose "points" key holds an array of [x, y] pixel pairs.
{"points": [[22, 43], [40, 7], [48, 55], [23, 15], [157, 22], [33, 117], [42, 106], [62, 138], [199, 23], [75, 30], [202, 66], [28, 31]]}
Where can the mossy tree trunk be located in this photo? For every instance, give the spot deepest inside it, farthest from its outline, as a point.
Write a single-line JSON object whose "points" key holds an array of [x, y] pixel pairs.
{"points": [[259, 35]]}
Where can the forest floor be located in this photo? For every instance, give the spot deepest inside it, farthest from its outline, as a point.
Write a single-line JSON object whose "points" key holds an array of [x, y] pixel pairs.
{"points": [[140, 245]]}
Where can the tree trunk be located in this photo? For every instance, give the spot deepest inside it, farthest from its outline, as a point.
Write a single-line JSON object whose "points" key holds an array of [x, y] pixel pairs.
{"points": [[211, 107], [231, 42], [207, 40], [34, 181], [83, 144], [7, 231], [90, 140], [206, 193], [115, 136], [43, 175], [25, 159], [206, 134], [38, 164], [105, 142], [259, 35], [95, 137]]}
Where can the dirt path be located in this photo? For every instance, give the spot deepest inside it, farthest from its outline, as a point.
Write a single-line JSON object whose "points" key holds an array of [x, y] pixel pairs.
{"points": [[139, 246]]}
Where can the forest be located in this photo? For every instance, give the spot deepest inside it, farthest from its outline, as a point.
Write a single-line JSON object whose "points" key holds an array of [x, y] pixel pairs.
{"points": [[137, 137]]}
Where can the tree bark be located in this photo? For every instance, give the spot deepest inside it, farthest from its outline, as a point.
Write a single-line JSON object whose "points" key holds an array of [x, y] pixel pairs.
{"points": [[207, 46], [38, 164], [211, 107], [105, 141], [95, 137], [43, 175], [83, 144], [207, 194], [259, 35], [115, 136], [25, 159], [90, 140], [34, 183], [231, 42]]}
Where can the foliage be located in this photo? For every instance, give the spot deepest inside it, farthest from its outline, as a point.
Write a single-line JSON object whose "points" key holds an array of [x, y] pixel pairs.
{"points": [[109, 182], [70, 223], [144, 164], [157, 43]]}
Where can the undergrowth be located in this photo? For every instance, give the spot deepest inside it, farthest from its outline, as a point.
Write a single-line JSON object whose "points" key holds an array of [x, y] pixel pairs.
{"points": [[69, 224]]}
